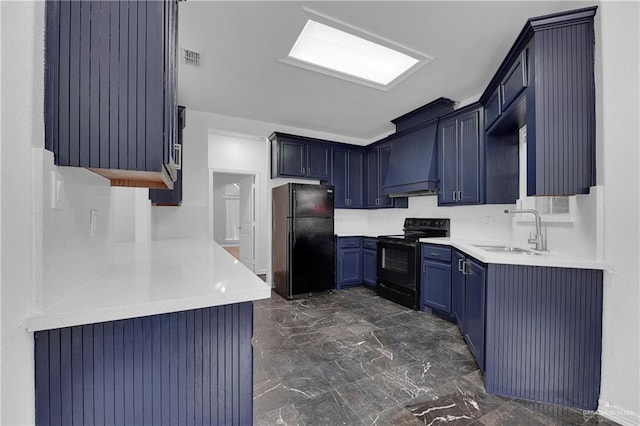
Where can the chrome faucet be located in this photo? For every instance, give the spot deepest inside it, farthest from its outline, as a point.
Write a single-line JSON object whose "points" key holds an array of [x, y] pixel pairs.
{"points": [[538, 240]]}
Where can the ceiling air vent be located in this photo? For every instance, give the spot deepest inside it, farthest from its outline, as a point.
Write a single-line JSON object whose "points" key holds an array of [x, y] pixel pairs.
{"points": [[190, 57]]}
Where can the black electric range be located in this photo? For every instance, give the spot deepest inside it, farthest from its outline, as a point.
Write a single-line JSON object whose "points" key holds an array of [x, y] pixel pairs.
{"points": [[398, 260]]}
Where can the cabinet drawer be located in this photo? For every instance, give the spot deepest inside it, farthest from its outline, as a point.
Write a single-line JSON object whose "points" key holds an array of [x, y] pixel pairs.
{"points": [[436, 253], [349, 242], [369, 243]]}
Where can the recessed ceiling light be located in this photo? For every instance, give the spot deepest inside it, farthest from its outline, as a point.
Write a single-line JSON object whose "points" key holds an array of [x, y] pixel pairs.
{"points": [[332, 49]]}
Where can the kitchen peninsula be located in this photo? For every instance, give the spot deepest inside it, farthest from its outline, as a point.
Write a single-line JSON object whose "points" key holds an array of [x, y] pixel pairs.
{"points": [[165, 333]]}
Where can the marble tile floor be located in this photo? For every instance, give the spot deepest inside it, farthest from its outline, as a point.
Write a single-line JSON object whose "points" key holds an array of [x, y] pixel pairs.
{"points": [[353, 358]]}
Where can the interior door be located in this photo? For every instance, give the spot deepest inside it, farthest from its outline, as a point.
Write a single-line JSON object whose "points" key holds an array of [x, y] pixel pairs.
{"points": [[247, 220]]}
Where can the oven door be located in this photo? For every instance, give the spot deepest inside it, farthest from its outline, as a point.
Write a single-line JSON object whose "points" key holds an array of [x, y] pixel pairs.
{"points": [[397, 263]]}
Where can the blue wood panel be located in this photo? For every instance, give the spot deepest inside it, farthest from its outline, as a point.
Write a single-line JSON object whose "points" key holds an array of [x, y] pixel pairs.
{"points": [[565, 111], [110, 83], [355, 179], [448, 161], [192, 367], [339, 179], [543, 337]]}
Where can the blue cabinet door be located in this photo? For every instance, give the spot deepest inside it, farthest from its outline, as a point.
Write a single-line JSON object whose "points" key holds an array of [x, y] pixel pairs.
{"points": [[469, 179], [372, 178], [436, 285], [318, 161], [384, 153], [291, 158], [457, 289], [349, 267], [460, 150], [369, 265], [339, 178], [448, 164], [474, 309], [355, 181]]}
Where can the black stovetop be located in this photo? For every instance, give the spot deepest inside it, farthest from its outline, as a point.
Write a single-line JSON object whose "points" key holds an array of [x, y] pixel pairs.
{"points": [[416, 228]]}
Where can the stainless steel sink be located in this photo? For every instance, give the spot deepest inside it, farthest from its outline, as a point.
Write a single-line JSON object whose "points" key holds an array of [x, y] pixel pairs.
{"points": [[507, 250]]}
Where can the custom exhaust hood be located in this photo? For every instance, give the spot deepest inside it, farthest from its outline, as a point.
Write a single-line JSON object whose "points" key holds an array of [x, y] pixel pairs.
{"points": [[413, 163]]}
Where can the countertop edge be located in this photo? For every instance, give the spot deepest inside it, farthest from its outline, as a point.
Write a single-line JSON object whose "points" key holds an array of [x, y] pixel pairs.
{"points": [[548, 259]]}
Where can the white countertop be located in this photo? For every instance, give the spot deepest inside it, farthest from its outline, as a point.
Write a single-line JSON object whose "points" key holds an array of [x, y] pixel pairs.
{"points": [[154, 278], [365, 234], [547, 258]]}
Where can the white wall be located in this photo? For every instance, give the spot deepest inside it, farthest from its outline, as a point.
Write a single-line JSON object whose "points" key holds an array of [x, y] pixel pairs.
{"points": [[21, 43], [246, 155], [617, 113], [471, 222], [47, 249]]}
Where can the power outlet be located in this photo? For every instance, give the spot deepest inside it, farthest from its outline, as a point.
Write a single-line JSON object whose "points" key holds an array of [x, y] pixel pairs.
{"points": [[487, 220]]}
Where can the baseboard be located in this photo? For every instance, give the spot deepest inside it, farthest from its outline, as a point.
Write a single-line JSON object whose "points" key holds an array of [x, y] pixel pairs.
{"points": [[618, 415]]}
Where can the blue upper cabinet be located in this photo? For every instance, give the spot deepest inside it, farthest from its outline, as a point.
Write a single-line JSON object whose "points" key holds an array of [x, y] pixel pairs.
{"points": [[347, 177], [461, 157], [110, 89], [546, 82], [318, 161], [377, 166], [172, 197], [300, 157]]}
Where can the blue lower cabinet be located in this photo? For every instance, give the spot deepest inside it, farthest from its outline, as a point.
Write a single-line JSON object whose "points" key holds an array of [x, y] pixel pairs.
{"points": [[435, 280], [474, 309], [436, 293], [349, 262], [457, 288], [369, 266], [191, 367]]}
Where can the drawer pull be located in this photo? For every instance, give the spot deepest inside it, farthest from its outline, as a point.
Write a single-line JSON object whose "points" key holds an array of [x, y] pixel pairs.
{"points": [[435, 254]]}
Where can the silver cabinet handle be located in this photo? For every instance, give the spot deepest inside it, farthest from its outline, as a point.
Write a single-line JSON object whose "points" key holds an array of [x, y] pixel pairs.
{"points": [[309, 171], [460, 267], [435, 254], [455, 195], [465, 268], [177, 149], [459, 195], [424, 268]]}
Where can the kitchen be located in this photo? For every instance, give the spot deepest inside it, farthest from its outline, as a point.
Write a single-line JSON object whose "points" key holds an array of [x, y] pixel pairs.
{"points": [[606, 228]]}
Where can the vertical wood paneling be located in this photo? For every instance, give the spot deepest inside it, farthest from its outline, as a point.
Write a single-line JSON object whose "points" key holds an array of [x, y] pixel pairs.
{"points": [[84, 149], [565, 109], [110, 83], [64, 81], [196, 364], [544, 334]]}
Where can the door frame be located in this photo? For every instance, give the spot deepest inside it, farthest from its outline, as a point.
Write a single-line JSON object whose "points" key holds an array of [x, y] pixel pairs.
{"points": [[256, 197]]}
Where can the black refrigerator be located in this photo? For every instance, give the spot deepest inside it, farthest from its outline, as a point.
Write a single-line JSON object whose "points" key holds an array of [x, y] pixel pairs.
{"points": [[303, 247]]}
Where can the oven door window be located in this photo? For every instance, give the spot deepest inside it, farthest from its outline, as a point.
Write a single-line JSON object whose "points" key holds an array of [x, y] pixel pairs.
{"points": [[397, 265]]}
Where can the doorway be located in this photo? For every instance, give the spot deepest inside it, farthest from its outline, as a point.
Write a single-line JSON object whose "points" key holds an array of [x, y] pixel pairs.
{"points": [[234, 217]]}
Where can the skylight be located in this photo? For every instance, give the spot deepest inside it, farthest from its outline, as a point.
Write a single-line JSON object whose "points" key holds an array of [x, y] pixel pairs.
{"points": [[329, 48]]}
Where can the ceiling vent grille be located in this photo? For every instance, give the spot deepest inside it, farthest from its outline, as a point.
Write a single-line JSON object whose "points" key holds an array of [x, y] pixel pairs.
{"points": [[190, 57]]}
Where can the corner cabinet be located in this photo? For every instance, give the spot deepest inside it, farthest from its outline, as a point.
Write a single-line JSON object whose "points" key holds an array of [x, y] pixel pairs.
{"points": [[172, 197], [111, 89], [347, 177], [300, 157], [546, 82], [460, 155]]}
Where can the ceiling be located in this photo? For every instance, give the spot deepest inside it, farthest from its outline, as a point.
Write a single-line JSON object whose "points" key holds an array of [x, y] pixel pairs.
{"points": [[241, 43]]}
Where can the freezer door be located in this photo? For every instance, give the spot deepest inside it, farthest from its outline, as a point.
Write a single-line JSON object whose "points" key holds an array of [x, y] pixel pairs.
{"points": [[312, 200], [312, 255]]}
